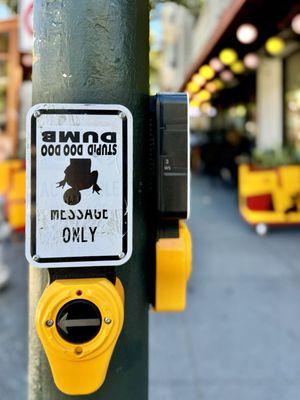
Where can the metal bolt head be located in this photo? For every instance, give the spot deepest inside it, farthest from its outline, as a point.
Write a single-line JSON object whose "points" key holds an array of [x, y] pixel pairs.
{"points": [[49, 323], [37, 114], [107, 320], [121, 255], [35, 257], [122, 115], [78, 350]]}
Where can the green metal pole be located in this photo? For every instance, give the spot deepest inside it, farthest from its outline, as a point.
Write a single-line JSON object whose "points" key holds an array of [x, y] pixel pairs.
{"points": [[96, 51]]}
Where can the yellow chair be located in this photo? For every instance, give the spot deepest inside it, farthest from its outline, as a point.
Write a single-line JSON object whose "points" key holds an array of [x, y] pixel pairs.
{"points": [[6, 169], [281, 185], [15, 200]]}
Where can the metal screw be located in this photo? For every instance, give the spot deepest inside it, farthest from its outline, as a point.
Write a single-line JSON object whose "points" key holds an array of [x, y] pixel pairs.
{"points": [[107, 320], [49, 323], [37, 114], [78, 351], [121, 255], [122, 115], [35, 257]]}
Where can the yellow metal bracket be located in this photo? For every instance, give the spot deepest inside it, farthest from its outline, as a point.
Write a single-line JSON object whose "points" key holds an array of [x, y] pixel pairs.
{"points": [[173, 270]]}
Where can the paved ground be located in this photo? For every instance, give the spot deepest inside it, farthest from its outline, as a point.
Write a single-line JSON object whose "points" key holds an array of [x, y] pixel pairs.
{"points": [[240, 336], [13, 326], [238, 339]]}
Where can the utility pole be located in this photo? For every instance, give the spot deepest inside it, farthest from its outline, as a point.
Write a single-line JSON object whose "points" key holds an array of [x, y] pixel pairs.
{"points": [[96, 51]]}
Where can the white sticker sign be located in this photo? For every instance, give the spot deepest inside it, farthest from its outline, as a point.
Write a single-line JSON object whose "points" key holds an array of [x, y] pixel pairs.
{"points": [[79, 185]]}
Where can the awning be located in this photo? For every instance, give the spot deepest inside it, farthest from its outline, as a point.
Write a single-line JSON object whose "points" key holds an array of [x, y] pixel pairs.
{"points": [[269, 17]]}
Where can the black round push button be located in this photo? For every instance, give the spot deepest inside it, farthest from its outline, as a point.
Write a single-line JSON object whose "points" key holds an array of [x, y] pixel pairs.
{"points": [[78, 321]]}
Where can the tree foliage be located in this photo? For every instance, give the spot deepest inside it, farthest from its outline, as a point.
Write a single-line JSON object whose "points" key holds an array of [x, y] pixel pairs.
{"points": [[13, 4]]}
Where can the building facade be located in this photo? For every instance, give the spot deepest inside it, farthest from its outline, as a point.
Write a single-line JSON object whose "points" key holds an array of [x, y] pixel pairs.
{"points": [[177, 29], [264, 98]]}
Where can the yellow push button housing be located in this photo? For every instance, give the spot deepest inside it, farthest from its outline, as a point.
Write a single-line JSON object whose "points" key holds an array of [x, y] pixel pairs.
{"points": [[173, 269], [79, 322]]}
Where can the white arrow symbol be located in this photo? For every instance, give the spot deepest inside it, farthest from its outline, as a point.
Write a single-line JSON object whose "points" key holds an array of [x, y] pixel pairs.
{"points": [[65, 323]]}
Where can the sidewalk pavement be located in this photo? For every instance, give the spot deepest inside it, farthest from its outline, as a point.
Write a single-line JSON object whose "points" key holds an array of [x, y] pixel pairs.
{"points": [[13, 328], [239, 338]]}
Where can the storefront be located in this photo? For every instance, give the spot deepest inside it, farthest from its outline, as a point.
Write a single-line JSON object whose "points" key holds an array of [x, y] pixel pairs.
{"points": [[247, 76], [16, 39], [292, 99]]}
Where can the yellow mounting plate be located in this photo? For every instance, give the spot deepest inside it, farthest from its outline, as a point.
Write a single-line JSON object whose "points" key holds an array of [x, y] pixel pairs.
{"points": [[80, 369], [173, 269]]}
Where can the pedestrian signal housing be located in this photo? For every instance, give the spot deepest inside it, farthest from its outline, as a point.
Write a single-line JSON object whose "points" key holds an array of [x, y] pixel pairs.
{"points": [[173, 245], [78, 322], [172, 155]]}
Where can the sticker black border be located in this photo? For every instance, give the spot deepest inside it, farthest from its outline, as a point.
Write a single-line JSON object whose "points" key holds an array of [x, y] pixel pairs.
{"points": [[33, 186]]}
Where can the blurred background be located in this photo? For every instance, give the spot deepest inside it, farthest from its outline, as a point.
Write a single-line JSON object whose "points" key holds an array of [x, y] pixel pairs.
{"points": [[239, 61]]}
